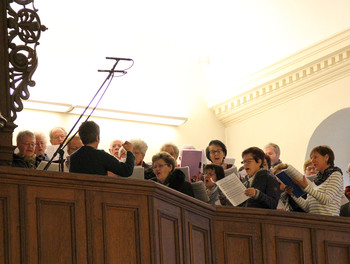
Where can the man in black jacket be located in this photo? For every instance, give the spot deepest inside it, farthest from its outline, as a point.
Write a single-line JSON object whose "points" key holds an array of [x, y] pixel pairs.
{"points": [[89, 159]]}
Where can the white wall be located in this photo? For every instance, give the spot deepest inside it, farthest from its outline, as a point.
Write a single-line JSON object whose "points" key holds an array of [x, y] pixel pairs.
{"points": [[292, 124], [201, 127]]}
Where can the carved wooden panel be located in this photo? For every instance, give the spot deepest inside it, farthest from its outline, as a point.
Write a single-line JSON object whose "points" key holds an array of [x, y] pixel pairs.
{"points": [[237, 242], [9, 224], [54, 225], [333, 246], [239, 248], [119, 228], [287, 244], [198, 239], [168, 232]]}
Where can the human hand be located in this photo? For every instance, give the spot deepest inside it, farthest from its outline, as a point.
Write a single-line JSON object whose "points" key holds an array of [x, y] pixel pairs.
{"points": [[302, 183], [250, 192], [128, 146], [289, 190]]}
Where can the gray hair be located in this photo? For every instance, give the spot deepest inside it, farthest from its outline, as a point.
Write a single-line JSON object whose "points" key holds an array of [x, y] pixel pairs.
{"points": [[275, 147], [176, 149], [42, 135], [51, 131], [22, 134], [139, 144]]}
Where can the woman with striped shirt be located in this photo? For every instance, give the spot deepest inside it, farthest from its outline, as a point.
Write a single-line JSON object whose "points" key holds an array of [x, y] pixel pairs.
{"points": [[325, 193]]}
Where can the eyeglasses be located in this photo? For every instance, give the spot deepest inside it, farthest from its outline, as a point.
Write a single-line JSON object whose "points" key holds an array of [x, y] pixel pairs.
{"points": [[210, 174], [28, 144], [59, 136], [247, 161], [159, 166], [310, 169], [213, 152]]}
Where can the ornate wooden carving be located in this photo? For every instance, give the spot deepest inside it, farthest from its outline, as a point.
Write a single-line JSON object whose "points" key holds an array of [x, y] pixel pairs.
{"points": [[20, 30], [24, 27]]}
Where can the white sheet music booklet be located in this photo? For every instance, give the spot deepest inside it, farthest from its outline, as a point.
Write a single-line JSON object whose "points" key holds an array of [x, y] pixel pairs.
{"points": [[233, 189]]}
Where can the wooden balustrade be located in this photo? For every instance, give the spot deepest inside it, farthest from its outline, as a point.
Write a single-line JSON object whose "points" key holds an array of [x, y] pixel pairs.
{"points": [[51, 217]]}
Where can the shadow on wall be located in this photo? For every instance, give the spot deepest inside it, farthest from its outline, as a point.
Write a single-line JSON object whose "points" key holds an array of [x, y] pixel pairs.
{"points": [[334, 131]]}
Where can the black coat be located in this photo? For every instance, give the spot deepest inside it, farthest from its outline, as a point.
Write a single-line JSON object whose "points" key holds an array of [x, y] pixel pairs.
{"points": [[176, 181], [269, 191]]}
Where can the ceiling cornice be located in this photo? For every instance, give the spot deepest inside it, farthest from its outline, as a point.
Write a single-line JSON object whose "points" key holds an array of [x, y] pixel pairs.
{"points": [[296, 75]]}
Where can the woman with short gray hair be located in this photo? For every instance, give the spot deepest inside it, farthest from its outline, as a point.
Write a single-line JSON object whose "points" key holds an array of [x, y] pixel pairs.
{"points": [[25, 158]]}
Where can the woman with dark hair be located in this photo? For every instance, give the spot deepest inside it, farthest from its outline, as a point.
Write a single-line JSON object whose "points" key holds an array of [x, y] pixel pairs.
{"points": [[216, 153], [262, 186], [163, 165], [324, 194], [267, 162], [213, 173]]}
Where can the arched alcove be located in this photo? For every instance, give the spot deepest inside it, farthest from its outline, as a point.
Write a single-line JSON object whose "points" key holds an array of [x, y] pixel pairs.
{"points": [[334, 131]]}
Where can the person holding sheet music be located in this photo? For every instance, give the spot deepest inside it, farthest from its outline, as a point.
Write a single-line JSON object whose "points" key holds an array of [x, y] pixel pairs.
{"points": [[139, 150], [324, 194], [40, 146], [309, 170], [286, 202], [163, 165], [213, 173], [262, 186], [216, 152]]}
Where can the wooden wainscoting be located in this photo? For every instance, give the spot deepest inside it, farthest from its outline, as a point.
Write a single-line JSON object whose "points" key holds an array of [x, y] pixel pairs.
{"points": [[51, 217]]}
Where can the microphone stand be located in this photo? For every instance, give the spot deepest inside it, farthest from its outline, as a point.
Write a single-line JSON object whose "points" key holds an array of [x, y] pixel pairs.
{"points": [[110, 76]]}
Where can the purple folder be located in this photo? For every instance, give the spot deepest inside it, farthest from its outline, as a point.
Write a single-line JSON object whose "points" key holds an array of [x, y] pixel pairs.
{"points": [[193, 159]]}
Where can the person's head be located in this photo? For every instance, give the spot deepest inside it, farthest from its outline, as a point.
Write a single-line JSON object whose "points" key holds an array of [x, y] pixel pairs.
{"points": [[172, 149], [89, 132], [253, 159], [322, 157], [139, 150], [309, 168], [163, 163], [57, 135], [114, 147], [273, 151], [212, 172], [267, 162], [278, 168], [26, 143], [74, 144], [216, 152], [40, 143]]}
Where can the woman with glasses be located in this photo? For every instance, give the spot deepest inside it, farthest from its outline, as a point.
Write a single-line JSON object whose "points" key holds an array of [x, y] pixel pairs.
{"points": [[163, 165], [25, 158], [262, 186], [216, 153], [310, 170], [324, 194]]}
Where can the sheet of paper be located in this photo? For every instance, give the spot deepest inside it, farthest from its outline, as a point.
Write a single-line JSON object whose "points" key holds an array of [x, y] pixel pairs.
{"points": [[233, 189]]}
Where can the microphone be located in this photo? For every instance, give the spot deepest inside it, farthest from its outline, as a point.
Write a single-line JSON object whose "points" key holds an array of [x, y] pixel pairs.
{"points": [[114, 58]]}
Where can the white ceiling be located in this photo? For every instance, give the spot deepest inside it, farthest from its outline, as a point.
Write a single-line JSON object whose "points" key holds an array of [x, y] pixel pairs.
{"points": [[167, 39]]}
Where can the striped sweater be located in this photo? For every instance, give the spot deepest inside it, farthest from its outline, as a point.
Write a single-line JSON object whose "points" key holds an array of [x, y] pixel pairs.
{"points": [[325, 198]]}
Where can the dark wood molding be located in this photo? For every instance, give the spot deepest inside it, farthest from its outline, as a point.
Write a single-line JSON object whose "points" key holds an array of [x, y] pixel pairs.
{"points": [[52, 217]]}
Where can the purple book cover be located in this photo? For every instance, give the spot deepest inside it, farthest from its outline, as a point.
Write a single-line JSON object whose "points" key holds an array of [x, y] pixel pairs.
{"points": [[193, 159]]}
